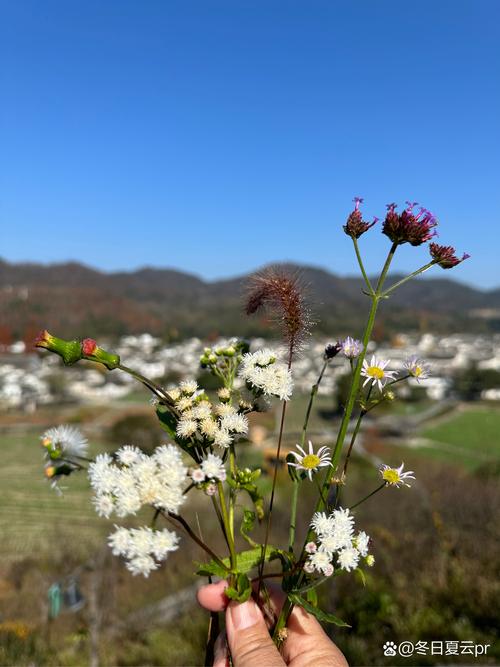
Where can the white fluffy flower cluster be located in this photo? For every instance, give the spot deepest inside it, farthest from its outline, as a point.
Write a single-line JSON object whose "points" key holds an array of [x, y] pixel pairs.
{"points": [[336, 546], [219, 424], [143, 548], [137, 479], [211, 469], [262, 371]]}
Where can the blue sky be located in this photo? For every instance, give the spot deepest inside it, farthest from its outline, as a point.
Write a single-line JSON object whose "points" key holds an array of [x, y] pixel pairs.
{"points": [[216, 136]]}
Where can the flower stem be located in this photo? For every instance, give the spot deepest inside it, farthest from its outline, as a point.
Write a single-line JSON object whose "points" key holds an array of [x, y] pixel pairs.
{"points": [[296, 481], [422, 269], [368, 496], [361, 266], [227, 525], [194, 536], [357, 371]]}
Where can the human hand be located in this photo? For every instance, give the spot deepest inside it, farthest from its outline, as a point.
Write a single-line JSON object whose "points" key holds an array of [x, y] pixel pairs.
{"points": [[249, 641]]}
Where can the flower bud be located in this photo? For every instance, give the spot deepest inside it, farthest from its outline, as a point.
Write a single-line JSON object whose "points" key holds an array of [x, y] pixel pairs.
{"points": [[69, 350], [92, 352], [444, 255], [355, 225]]}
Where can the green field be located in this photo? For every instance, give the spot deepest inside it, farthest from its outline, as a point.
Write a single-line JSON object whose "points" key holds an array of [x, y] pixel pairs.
{"points": [[33, 517], [471, 435]]}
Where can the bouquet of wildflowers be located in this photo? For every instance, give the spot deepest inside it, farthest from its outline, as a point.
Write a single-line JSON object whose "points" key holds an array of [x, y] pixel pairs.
{"points": [[203, 433]]}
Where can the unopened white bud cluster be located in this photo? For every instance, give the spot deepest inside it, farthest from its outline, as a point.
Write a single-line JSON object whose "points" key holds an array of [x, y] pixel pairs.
{"points": [[143, 548], [336, 545], [262, 371]]}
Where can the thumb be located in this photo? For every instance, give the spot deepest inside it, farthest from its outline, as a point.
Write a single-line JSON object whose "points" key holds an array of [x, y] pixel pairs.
{"points": [[248, 637]]}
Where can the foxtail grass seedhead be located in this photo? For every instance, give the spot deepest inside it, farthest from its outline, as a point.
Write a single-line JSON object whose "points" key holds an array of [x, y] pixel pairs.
{"points": [[282, 295]]}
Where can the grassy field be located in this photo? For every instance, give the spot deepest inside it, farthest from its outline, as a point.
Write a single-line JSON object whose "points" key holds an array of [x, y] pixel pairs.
{"points": [[471, 435], [32, 516]]}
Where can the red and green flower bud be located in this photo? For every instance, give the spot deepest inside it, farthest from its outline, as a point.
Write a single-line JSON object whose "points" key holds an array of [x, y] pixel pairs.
{"points": [[69, 350], [92, 352]]}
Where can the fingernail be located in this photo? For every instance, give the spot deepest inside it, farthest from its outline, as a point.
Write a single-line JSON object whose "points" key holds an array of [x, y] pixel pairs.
{"points": [[244, 615]]}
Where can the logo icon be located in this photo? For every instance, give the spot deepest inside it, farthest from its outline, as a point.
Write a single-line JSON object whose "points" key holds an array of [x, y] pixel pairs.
{"points": [[389, 648]]}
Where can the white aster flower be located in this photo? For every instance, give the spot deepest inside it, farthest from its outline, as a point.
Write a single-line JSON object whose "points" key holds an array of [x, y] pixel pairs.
{"points": [[188, 387], [348, 558], [213, 467], [375, 372], [164, 541], [261, 358], [396, 476], [128, 454], [417, 368], [141, 565], [169, 498], [224, 409], [119, 541], [198, 476], [310, 461], [186, 428], [322, 524], [234, 423], [67, 439]]}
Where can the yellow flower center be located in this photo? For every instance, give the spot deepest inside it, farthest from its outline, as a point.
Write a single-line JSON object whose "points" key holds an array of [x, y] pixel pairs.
{"points": [[311, 461], [375, 372], [391, 476], [417, 372]]}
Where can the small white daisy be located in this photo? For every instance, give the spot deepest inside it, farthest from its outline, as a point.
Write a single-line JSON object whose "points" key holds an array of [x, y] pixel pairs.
{"points": [[310, 461], [396, 476], [375, 372], [417, 368]]}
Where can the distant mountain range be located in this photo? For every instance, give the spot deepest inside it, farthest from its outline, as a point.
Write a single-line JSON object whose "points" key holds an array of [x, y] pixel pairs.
{"points": [[74, 300]]}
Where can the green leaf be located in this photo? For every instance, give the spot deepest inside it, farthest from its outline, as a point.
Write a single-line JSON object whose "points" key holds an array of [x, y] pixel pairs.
{"points": [[315, 611], [312, 597], [256, 498], [240, 592], [359, 572], [245, 561], [167, 421]]}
